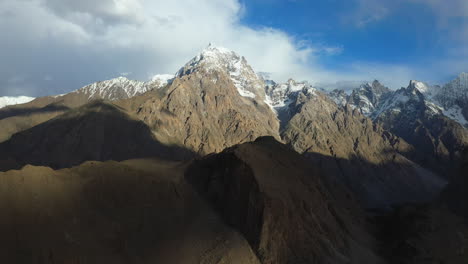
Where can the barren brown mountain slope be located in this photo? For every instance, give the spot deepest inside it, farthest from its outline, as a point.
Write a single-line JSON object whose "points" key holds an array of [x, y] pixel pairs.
{"points": [[204, 112], [358, 152], [281, 205], [138, 211], [96, 131]]}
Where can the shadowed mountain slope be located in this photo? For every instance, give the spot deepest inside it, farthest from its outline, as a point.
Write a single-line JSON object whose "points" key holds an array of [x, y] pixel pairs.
{"points": [[138, 211], [97, 131], [358, 152], [280, 204]]}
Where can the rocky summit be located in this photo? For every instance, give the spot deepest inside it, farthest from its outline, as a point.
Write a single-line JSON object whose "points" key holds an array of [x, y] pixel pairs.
{"points": [[219, 164]]}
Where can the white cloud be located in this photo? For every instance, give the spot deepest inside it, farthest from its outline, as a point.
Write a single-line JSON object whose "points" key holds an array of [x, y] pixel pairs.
{"points": [[84, 41], [78, 42]]}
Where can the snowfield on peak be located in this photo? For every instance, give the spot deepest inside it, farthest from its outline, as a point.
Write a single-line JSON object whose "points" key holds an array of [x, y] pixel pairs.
{"points": [[122, 87], [114, 89], [14, 100], [279, 95], [162, 79], [247, 82]]}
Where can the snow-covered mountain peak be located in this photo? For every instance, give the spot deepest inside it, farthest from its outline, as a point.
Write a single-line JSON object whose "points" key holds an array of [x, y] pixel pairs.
{"points": [[279, 95], [14, 100], [421, 87], [113, 89], [247, 82], [161, 80]]}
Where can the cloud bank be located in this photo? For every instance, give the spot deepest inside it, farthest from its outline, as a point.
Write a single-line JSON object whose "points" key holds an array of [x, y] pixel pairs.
{"points": [[56, 46]]}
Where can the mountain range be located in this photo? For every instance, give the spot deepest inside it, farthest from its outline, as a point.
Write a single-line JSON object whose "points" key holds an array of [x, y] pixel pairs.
{"points": [[285, 172]]}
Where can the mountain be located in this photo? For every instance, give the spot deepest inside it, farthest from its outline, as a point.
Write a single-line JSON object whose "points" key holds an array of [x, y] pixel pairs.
{"points": [[453, 97], [137, 211], [9, 100], [122, 88], [412, 115], [17, 118], [368, 97], [281, 95], [218, 59], [264, 188], [357, 152], [96, 131], [416, 114], [215, 101]]}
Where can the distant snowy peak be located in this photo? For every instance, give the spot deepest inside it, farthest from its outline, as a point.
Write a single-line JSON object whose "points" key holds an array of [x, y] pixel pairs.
{"points": [[162, 80], [340, 97], [453, 97], [114, 89], [123, 88], [10, 100], [423, 88], [247, 82], [280, 95], [454, 92], [368, 97], [413, 101]]}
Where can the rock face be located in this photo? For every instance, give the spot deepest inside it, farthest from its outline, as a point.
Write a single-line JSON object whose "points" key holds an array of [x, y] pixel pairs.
{"points": [[263, 189], [207, 107], [218, 59], [453, 97], [97, 131], [358, 152], [368, 97]]}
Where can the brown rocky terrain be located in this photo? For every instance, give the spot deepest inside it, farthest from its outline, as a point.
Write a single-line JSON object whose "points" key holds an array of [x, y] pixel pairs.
{"points": [[279, 202], [357, 152], [138, 211], [438, 140], [255, 203], [203, 112]]}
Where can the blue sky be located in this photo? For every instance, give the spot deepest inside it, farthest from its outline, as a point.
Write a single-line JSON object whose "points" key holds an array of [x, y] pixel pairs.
{"points": [[408, 33], [73, 43]]}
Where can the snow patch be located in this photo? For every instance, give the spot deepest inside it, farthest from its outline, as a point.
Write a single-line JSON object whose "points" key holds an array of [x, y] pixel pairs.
{"points": [[455, 113], [11, 100], [211, 59]]}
